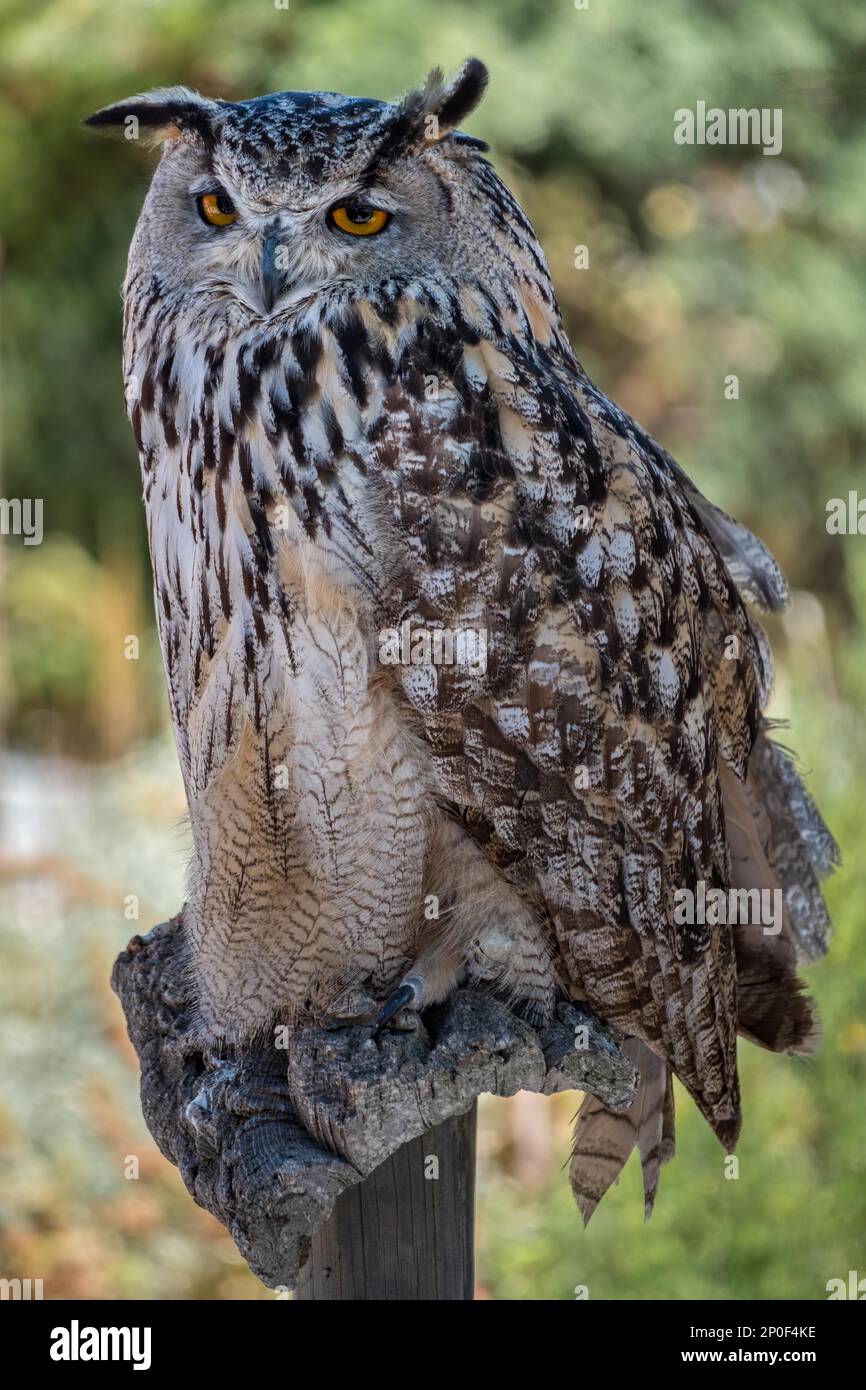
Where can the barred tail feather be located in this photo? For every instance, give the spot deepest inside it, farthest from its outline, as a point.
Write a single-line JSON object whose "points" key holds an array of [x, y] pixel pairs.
{"points": [[603, 1139]]}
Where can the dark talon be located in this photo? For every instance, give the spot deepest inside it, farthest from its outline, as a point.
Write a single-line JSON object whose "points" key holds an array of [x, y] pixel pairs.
{"points": [[398, 1000]]}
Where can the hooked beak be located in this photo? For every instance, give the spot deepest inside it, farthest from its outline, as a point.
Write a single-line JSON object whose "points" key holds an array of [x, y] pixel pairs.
{"points": [[272, 276]]}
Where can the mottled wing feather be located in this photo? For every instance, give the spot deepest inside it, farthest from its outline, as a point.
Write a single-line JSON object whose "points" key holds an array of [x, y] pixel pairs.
{"points": [[800, 849], [622, 665]]}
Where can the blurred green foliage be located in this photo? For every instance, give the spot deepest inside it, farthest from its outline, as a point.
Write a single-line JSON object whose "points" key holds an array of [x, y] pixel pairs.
{"points": [[703, 262]]}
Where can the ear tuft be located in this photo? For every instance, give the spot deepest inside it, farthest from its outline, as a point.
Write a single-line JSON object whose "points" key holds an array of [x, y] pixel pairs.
{"points": [[166, 111], [430, 113], [462, 95]]}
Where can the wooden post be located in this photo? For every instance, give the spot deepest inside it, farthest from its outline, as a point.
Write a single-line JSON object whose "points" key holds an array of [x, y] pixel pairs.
{"points": [[403, 1233]]}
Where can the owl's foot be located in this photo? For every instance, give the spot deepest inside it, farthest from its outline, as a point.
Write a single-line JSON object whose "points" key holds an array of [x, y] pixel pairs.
{"points": [[351, 1007], [406, 996]]}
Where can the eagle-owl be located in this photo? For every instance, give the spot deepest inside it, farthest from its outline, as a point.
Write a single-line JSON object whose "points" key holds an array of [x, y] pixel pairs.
{"points": [[365, 440]]}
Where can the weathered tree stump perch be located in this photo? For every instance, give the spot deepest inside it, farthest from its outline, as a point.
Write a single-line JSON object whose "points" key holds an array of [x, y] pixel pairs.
{"points": [[269, 1139]]}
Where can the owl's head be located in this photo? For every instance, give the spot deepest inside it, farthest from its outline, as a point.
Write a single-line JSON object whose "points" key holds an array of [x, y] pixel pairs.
{"points": [[265, 202]]}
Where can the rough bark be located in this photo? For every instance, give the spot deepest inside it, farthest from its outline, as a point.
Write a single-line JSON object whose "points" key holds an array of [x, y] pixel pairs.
{"points": [[268, 1139]]}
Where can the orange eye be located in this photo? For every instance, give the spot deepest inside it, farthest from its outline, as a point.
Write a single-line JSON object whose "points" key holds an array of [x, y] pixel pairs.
{"points": [[359, 219], [217, 209]]}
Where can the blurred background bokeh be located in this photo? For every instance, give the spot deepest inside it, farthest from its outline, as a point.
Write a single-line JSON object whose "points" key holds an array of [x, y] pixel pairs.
{"points": [[704, 262]]}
